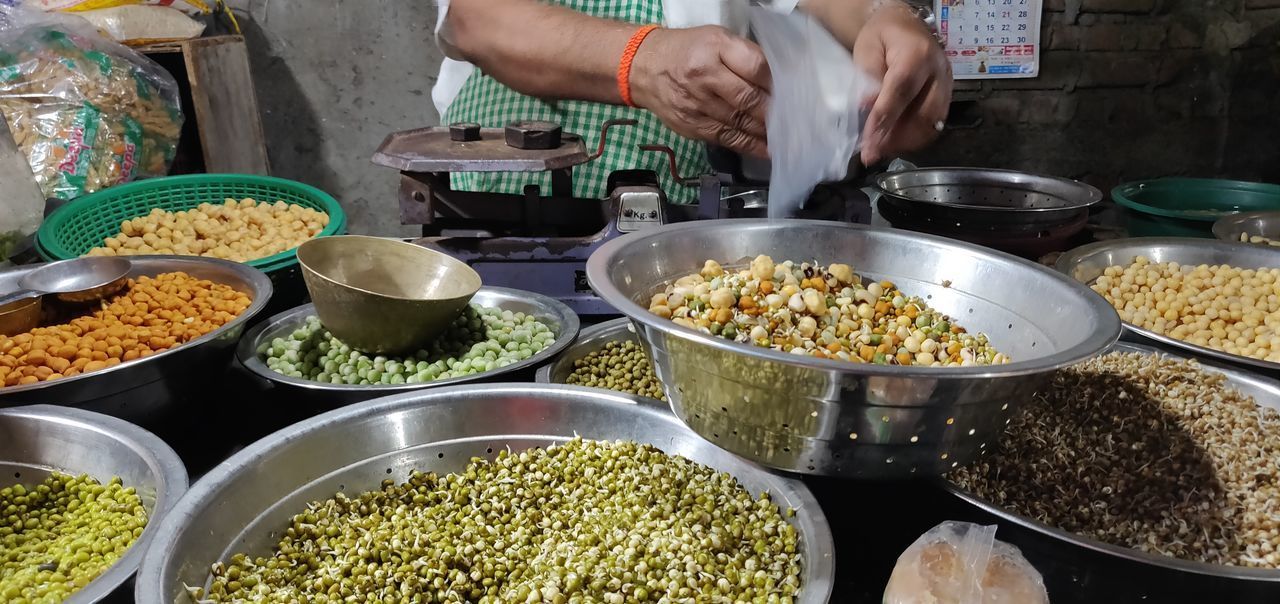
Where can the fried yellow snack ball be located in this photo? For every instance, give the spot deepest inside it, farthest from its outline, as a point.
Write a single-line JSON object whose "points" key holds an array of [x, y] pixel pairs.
{"points": [[234, 230]]}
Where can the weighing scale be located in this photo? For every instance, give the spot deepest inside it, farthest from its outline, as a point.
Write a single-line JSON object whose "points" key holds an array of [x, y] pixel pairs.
{"points": [[540, 240]]}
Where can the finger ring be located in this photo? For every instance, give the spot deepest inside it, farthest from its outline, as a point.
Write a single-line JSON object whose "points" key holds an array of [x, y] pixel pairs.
{"points": [[939, 125]]}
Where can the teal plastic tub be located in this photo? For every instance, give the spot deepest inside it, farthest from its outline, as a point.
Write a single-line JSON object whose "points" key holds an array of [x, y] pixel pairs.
{"points": [[1188, 207]]}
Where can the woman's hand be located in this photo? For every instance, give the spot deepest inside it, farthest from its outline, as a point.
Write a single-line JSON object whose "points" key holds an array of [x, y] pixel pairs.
{"points": [[915, 94], [705, 83]]}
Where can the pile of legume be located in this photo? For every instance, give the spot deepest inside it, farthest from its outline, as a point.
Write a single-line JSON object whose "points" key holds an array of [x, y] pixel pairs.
{"points": [[621, 366], [57, 536], [151, 315], [1246, 238], [480, 339], [1221, 307], [235, 230], [823, 312], [1145, 452], [584, 522]]}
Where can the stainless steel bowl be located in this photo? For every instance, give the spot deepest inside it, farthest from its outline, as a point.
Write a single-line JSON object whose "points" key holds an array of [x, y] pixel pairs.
{"points": [[38, 440], [242, 504], [820, 416], [589, 340], [1253, 224], [1085, 264], [143, 390], [562, 321], [1142, 568]]}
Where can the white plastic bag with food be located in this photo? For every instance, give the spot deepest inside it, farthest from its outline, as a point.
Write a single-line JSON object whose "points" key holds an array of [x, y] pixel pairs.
{"points": [[191, 7], [88, 112], [815, 118], [963, 563], [141, 24]]}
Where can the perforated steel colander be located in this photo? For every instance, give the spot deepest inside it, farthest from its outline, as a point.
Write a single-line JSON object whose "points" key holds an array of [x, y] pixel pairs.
{"points": [[1020, 213], [990, 191]]}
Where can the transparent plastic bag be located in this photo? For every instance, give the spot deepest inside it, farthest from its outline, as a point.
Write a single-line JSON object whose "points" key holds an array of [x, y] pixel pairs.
{"points": [[815, 117], [87, 112], [963, 563], [21, 202]]}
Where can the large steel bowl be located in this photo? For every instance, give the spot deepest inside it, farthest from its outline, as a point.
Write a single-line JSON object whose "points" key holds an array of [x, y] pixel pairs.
{"points": [[242, 504], [38, 440], [145, 391], [820, 416], [562, 321], [1085, 264], [1143, 577]]}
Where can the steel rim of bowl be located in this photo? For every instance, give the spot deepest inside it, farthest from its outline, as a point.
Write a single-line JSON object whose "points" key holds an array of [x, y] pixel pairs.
{"points": [[1108, 333], [1017, 178], [1069, 260], [247, 348], [454, 263], [1229, 228], [1132, 555], [149, 574], [257, 280], [545, 374], [170, 469]]}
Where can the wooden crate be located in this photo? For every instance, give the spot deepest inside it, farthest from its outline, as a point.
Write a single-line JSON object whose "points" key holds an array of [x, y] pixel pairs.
{"points": [[221, 107]]}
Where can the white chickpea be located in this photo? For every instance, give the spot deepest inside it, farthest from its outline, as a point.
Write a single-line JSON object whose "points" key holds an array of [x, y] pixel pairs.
{"points": [[1219, 306]]}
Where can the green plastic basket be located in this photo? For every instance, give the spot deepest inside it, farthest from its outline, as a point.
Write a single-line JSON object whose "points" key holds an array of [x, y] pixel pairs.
{"points": [[83, 224]]}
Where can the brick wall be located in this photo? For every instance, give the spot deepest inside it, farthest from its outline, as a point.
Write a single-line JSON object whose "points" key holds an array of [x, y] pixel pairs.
{"points": [[1133, 89]]}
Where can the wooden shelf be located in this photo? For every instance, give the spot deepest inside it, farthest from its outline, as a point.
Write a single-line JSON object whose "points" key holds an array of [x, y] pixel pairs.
{"points": [[219, 103]]}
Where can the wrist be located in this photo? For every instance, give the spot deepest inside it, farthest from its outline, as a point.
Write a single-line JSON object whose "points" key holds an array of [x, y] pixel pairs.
{"points": [[646, 70]]}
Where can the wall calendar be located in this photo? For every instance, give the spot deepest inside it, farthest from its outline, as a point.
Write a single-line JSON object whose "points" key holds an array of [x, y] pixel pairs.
{"points": [[991, 39]]}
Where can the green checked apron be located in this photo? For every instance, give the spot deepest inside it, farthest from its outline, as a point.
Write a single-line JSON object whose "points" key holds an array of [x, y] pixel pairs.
{"points": [[484, 101]]}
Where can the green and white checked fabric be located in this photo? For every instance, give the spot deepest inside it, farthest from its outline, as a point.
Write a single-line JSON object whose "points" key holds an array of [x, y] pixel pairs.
{"points": [[484, 101]]}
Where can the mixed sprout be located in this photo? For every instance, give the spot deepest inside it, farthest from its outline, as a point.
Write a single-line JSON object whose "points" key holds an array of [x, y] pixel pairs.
{"points": [[826, 312]]}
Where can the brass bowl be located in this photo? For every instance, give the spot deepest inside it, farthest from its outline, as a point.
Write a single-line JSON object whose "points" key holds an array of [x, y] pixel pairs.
{"points": [[384, 296], [20, 317]]}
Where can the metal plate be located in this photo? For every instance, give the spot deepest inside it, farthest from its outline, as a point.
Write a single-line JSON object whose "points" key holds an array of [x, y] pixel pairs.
{"points": [[241, 504], [820, 416], [562, 321], [1265, 391], [1085, 264], [140, 388], [1254, 224], [431, 150], [38, 440]]}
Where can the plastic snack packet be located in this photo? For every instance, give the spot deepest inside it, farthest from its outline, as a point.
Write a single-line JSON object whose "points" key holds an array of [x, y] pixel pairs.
{"points": [[963, 563], [87, 112]]}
